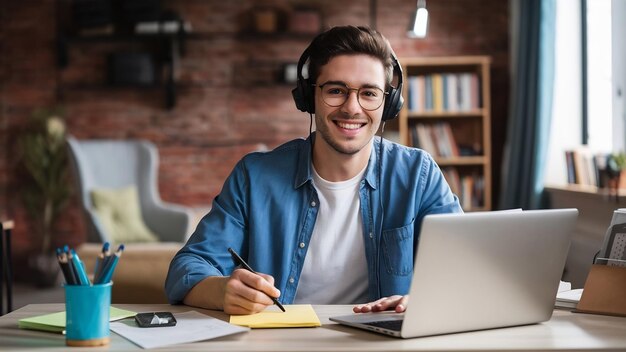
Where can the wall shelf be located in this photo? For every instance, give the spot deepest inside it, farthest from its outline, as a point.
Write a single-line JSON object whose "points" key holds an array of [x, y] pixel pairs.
{"points": [[169, 47]]}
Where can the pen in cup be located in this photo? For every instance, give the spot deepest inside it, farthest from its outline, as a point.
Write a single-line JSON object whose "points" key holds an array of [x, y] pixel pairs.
{"points": [[73, 279], [239, 261], [65, 267], [107, 270], [101, 261], [79, 268]]}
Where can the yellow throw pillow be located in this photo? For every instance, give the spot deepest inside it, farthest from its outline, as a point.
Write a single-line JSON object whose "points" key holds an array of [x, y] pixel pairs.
{"points": [[120, 214]]}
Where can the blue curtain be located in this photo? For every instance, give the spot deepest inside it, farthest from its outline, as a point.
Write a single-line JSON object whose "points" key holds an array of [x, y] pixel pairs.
{"points": [[531, 106]]}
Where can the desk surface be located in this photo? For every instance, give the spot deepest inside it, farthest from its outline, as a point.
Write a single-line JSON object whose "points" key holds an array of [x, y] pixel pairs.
{"points": [[565, 331]]}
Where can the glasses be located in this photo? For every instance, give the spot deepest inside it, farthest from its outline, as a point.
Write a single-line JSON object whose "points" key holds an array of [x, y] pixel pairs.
{"points": [[336, 94]]}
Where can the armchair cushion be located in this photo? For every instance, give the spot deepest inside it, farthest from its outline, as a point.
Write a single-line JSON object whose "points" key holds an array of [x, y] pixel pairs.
{"points": [[120, 214]]}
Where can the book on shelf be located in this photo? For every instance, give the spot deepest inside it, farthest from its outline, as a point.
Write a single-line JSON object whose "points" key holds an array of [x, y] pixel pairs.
{"points": [[437, 93], [470, 189], [452, 92], [585, 167], [428, 93], [435, 138], [443, 92], [424, 139], [452, 177], [467, 194]]}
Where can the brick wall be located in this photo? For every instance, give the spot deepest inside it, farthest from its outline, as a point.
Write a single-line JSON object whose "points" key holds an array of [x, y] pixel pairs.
{"points": [[220, 114]]}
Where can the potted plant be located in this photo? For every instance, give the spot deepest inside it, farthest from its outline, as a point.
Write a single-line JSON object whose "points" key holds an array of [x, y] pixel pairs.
{"points": [[615, 163], [44, 163]]}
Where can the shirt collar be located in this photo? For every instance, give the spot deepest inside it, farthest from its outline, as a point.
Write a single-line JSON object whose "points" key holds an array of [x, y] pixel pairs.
{"points": [[304, 172]]}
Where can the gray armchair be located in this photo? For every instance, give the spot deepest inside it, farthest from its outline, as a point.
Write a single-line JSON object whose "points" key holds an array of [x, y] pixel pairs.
{"points": [[122, 163]]}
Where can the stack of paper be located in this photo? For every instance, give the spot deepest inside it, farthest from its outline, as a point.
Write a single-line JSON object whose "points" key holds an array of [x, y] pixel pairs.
{"points": [[295, 315], [568, 299], [55, 322]]}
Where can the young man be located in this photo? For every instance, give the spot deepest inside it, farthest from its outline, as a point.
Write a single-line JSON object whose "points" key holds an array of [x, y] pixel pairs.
{"points": [[333, 219]]}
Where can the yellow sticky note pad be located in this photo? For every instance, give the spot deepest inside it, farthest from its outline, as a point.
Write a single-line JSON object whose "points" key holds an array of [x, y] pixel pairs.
{"points": [[295, 316]]}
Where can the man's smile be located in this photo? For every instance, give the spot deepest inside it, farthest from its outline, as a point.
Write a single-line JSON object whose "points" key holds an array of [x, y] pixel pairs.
{"points": [[349, 125]]}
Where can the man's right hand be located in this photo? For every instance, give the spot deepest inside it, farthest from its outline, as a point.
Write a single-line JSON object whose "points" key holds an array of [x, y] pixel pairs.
{"points": [[246, 292], [243, 292]]}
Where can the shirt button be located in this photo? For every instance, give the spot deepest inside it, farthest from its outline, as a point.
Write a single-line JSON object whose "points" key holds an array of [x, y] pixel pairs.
{"points": [[371, 235], [313, 203], [291, 280], [302, 244]]}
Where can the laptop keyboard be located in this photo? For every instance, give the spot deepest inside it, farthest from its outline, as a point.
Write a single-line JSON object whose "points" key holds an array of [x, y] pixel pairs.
{"points": [[395, 325]]}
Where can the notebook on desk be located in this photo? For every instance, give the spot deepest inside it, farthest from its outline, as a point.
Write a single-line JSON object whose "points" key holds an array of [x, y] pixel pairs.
{"points": [[479, 271]]}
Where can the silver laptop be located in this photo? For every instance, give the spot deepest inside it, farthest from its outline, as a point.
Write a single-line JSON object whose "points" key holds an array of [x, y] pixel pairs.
{"points": [[479, 271]]}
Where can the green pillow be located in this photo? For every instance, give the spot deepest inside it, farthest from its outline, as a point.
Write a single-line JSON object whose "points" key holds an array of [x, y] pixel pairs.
{"points": [[120, 214]]}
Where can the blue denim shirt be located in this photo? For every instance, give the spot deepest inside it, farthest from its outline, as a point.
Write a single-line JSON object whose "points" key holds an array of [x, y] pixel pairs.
{"points": [[267, 208]]}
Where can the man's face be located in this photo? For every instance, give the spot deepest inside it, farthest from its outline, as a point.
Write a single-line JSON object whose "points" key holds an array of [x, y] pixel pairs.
{"points": [[348, 129]]}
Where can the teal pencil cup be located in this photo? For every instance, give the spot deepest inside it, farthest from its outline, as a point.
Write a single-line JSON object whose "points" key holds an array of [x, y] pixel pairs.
{"points": [[87, 310]]}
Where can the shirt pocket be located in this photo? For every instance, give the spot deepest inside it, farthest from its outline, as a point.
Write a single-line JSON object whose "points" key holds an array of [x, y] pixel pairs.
{"points": [[397, 246]]}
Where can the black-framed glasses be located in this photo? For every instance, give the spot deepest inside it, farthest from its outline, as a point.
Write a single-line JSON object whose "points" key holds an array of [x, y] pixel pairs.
{"points": [[336, 94]]}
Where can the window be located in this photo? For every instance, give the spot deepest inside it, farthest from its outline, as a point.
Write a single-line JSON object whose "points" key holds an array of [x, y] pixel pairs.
{"points": [[599, 72], [588, 104]]}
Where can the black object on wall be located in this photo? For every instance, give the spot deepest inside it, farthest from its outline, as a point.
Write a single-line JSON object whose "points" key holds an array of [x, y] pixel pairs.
{"points": [[88, 14], [131, 69], [131, 12]]}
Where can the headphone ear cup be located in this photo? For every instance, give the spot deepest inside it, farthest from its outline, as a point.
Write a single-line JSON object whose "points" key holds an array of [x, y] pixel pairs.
{"points": [[303, 96], [394, 99], [309, 96], [298, 96], [393, 104]]}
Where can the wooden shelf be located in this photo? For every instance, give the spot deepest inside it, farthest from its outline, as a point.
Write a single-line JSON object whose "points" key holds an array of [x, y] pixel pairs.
{"points": [[445, 114], [165, 48], [588, 190], [462, 160], [469, 124]]}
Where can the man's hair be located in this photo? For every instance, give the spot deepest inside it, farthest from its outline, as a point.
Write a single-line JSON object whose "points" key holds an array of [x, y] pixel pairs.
{"points": [[349, 40]]}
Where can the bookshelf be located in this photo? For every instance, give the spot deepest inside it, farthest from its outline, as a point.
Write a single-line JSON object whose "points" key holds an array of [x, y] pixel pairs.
{"points": [[447, 113]]}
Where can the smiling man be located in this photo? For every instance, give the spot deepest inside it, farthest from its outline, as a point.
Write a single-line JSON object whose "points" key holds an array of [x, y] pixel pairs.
{"points": [[331, 219]]}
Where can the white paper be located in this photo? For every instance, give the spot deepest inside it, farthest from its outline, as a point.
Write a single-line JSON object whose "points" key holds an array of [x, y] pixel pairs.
{"points": [[568, 299], [564, 286], [570, 296], [190, 327]]}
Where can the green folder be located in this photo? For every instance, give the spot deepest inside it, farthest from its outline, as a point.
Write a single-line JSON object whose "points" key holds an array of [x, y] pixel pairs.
{"points": [[55, 322]]}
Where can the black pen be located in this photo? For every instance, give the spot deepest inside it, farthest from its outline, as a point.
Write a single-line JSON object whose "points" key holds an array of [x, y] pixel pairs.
{"points": [[239, 261]]}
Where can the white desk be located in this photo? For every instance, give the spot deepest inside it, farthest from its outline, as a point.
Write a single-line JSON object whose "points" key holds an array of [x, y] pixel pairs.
{"points": [[565, 331]]}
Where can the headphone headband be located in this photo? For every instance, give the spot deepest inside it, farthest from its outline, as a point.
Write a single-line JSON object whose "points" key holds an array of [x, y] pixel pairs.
{"points": [[304, 94]]}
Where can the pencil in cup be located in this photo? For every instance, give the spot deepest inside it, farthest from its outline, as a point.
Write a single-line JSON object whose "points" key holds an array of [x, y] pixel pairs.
{"points": [[79, 269], [101, 260], [73, 279], [109, 266], [68, 273]]}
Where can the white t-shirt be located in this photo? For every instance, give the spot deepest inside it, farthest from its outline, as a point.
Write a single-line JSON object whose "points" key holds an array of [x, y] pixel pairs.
{"points": [[335, 268]]}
